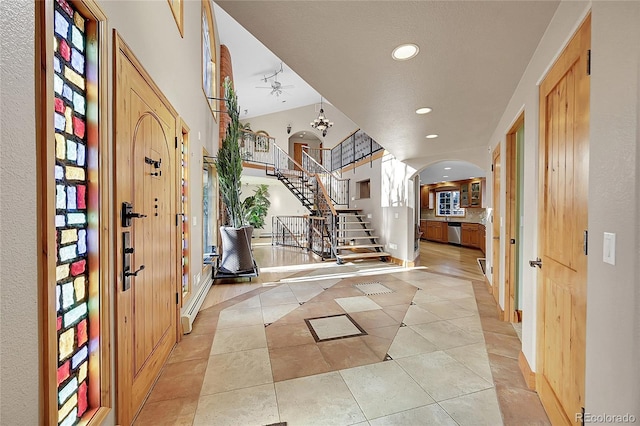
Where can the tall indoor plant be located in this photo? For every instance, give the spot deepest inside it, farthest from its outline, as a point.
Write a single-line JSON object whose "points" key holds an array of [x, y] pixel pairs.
{"points": [[256, 206], [237, 258], [229, 160]]}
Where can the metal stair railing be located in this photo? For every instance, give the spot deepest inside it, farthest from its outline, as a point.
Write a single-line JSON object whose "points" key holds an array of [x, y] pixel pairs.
{"points": [[290, 231], [337, 188], [257, 147], [316, 188]]}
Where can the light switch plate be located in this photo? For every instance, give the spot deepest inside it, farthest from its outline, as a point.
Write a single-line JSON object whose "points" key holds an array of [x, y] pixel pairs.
{"points": [[609, 248]]}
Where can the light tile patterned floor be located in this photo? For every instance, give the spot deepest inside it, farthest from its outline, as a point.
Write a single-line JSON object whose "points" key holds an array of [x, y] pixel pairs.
{"points": [[423, 359]]}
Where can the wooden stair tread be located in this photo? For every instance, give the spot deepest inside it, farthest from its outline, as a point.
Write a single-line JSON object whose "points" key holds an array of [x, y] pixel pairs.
{"points": [[357, 238], [363, 255], [353, 222], [356, 229], [359, 246], [348, 210]]}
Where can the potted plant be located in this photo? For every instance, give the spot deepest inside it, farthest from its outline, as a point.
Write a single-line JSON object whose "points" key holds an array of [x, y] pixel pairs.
{"points": [[236, 235], [256, 207]]}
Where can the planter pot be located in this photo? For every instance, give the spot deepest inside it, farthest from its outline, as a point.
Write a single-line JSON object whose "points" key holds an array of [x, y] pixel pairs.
{"points": [[236, 250]]}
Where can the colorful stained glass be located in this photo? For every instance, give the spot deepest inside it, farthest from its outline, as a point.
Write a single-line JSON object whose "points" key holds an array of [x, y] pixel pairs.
{"points": [[75, 173], [63, 372], [62, 272], [79, 285], [71, 173], [68, 406]]}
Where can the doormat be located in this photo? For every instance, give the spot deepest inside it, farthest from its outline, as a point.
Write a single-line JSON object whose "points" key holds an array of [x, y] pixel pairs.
{"points": [[483, 264], [370, 289]]}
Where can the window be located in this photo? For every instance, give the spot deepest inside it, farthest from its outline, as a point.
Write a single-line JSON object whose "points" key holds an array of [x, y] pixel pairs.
{"points": [[448, 204], [209, 207], [209, 81], [184, 202], [364, 189], [177, 9], [75, 277]]}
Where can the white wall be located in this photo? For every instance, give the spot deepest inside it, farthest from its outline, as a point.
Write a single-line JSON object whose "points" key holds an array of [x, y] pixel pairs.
{"points": [[176, 69], [19, 345], [300, 119], [613, 298], [613, 317], [174, 64], [525, 98], [283, 202]]}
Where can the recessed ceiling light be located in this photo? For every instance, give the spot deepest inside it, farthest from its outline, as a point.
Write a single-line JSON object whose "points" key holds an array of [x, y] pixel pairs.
{"points": [[431, 136], [447, 168], [405, 51], [424, 110], [445, 176]]}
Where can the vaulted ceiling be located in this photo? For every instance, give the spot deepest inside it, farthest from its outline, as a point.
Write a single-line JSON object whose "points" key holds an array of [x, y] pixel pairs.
{"points": [[472, 55]]}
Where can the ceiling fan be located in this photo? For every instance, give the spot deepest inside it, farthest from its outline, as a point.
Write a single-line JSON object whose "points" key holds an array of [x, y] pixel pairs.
{"points": [[276, 87]]}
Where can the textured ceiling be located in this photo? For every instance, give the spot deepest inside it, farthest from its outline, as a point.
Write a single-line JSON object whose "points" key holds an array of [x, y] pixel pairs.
{"points": [[472, 55]]}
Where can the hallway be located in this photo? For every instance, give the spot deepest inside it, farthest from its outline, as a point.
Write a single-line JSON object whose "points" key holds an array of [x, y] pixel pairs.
{"points": [[366, 343]]}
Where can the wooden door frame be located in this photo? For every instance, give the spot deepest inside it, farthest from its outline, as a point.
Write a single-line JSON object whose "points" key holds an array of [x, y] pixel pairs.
{"points": [[495, 268], [96, 31], [122, 50], [183, 130], [550, 401], [511, 222]]}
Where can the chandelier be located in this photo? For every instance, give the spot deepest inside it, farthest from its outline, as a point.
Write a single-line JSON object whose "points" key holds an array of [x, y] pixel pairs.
{"points": [[321, 123]]}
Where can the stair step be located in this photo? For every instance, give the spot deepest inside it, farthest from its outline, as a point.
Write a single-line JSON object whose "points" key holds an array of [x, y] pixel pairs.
{"points": [[342, 239], [341, 211], [342, 257], [359, 246], [353, 222], [356, 230]]}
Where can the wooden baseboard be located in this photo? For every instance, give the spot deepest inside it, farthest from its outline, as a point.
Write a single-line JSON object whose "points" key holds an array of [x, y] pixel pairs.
{"points": [[529, 376], [488, 284], [403, 263]]}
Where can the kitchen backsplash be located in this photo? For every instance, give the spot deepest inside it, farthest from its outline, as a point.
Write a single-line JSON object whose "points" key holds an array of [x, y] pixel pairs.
{"points": [[474, 215]]}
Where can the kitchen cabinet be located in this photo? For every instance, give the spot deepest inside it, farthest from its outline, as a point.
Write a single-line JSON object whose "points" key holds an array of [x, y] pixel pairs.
{"points": [[469, 235], [473, 235], [437, 231], [464, 194], [471, 192], [423, 229], [426, 197], [475, 193]]}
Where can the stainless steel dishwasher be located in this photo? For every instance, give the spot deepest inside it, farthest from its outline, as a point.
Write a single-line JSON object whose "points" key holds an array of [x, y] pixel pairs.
{"points": [[454, 230]]}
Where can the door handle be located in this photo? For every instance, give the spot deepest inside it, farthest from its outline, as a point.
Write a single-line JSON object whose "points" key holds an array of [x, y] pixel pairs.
{"points": [[134, 273], [127, 214], [537, 262]]}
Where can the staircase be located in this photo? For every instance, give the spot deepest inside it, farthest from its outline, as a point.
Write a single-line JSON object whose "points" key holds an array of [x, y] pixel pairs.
{"points": [[334, 231], [355, 238]]}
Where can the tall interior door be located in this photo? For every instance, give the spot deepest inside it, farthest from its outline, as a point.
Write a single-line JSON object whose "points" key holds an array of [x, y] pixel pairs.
{"points": [[497, 222], [145, 177], [564, 156], [512, 223], [297, 152]]}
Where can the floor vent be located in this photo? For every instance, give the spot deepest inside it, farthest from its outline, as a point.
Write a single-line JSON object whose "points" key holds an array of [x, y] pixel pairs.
{"points": [[483, 264], [371, 289]]}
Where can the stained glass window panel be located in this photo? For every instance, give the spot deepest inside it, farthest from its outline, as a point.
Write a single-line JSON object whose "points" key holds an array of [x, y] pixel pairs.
{"points": [[72, 272]]}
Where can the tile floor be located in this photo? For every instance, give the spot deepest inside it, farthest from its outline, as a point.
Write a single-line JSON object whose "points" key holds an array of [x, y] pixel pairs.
{"points": [[430, 351]]}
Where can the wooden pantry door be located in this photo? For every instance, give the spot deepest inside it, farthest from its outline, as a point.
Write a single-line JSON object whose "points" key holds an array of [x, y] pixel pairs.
{"points": [[562, 280]]}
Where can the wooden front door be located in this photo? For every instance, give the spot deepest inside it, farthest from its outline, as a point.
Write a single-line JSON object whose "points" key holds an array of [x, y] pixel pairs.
{"points": [[564, 155], [145, 177], [495, 263]]}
